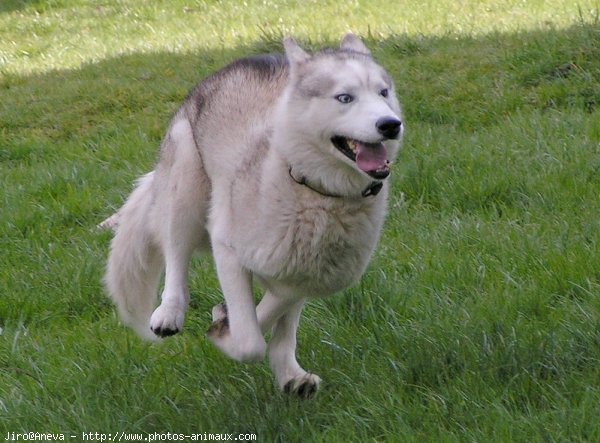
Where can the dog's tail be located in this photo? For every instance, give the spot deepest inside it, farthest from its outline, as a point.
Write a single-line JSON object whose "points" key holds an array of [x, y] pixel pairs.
{"points": [[135, 263]]}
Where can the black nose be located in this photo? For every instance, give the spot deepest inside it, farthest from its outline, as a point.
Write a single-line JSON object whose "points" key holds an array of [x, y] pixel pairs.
{"points": [[389, 127]]}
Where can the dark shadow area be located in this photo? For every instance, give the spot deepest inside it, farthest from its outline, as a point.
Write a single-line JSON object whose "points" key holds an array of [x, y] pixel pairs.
{"points": [[458, 81], [16, 5], [91, 131]]}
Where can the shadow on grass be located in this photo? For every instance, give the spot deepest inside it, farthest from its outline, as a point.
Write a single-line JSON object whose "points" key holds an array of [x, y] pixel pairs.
{"points": [[73, 141], [16, 5], [86, 133], [115, 112], [459, 81]]}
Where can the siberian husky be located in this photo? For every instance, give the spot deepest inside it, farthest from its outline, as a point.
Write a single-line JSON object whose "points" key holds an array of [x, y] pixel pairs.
{"points": [[276, 164]]}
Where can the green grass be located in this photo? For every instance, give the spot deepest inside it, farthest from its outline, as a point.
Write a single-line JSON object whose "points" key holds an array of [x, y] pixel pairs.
{"points": [[479, 317]]}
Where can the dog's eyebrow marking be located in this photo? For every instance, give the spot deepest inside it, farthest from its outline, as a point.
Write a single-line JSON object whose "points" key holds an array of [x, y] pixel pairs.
{"points": [[316, 86]]}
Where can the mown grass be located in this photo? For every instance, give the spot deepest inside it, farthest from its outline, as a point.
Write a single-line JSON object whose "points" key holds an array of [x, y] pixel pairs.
{"points": [[479, 318]]}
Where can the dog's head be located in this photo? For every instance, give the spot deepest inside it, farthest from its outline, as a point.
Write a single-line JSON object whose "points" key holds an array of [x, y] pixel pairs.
{"points": [[345, 104]]}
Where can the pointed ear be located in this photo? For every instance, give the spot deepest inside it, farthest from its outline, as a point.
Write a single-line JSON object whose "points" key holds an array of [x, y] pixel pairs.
{"points": [[352, 43], [294, 52]]}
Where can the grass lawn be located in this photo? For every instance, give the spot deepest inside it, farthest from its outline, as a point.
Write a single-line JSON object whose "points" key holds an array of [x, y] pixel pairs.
{"points": [[479, 317]]}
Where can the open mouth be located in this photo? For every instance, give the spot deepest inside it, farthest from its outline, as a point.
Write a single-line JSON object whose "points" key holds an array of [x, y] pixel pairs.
{"points": [[370, 158]]}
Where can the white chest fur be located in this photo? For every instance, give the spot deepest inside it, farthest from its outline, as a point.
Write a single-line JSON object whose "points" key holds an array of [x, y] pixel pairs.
{"points": [[319, 248]]}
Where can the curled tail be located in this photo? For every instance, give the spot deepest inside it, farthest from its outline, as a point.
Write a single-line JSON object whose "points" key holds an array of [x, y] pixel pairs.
{"points": [[135, 263]]}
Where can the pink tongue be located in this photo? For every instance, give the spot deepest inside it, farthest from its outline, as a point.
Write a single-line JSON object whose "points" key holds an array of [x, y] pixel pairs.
{"points": [[371, 157]]}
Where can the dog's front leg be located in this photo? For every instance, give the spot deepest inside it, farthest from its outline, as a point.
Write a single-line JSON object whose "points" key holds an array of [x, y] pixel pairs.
{"points": [[237, 334], [281, 314], [282, 355]]}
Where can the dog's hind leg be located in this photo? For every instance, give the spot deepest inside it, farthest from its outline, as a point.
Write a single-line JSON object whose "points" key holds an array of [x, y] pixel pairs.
{"points": [[184, 202], [168, 318]]}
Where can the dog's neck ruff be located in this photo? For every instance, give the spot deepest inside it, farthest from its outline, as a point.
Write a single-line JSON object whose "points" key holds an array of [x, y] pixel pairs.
{"points": [[371, 190]]}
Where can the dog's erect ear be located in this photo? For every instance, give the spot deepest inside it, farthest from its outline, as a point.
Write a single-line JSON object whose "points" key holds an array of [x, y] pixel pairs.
{"points": [[351, 42], [294, 52]]}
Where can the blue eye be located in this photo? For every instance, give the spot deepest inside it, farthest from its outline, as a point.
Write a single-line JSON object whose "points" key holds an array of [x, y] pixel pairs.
{"points": [[384, 92], [344, 98]]}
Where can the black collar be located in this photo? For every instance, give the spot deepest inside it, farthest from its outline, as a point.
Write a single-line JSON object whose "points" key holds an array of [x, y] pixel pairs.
{"points": [[371, 190]]}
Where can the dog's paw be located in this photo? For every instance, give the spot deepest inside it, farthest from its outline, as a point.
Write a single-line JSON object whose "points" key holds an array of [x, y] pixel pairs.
{"points": [[219, 328], [167, 321], [245, 350], [304, 387]]}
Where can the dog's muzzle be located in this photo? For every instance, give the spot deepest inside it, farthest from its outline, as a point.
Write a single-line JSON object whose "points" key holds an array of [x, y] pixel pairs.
{"points": [[371, 158]]}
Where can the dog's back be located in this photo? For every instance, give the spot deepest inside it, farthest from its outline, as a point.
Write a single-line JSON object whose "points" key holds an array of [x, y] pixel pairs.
{"points": [[230, 111]]}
